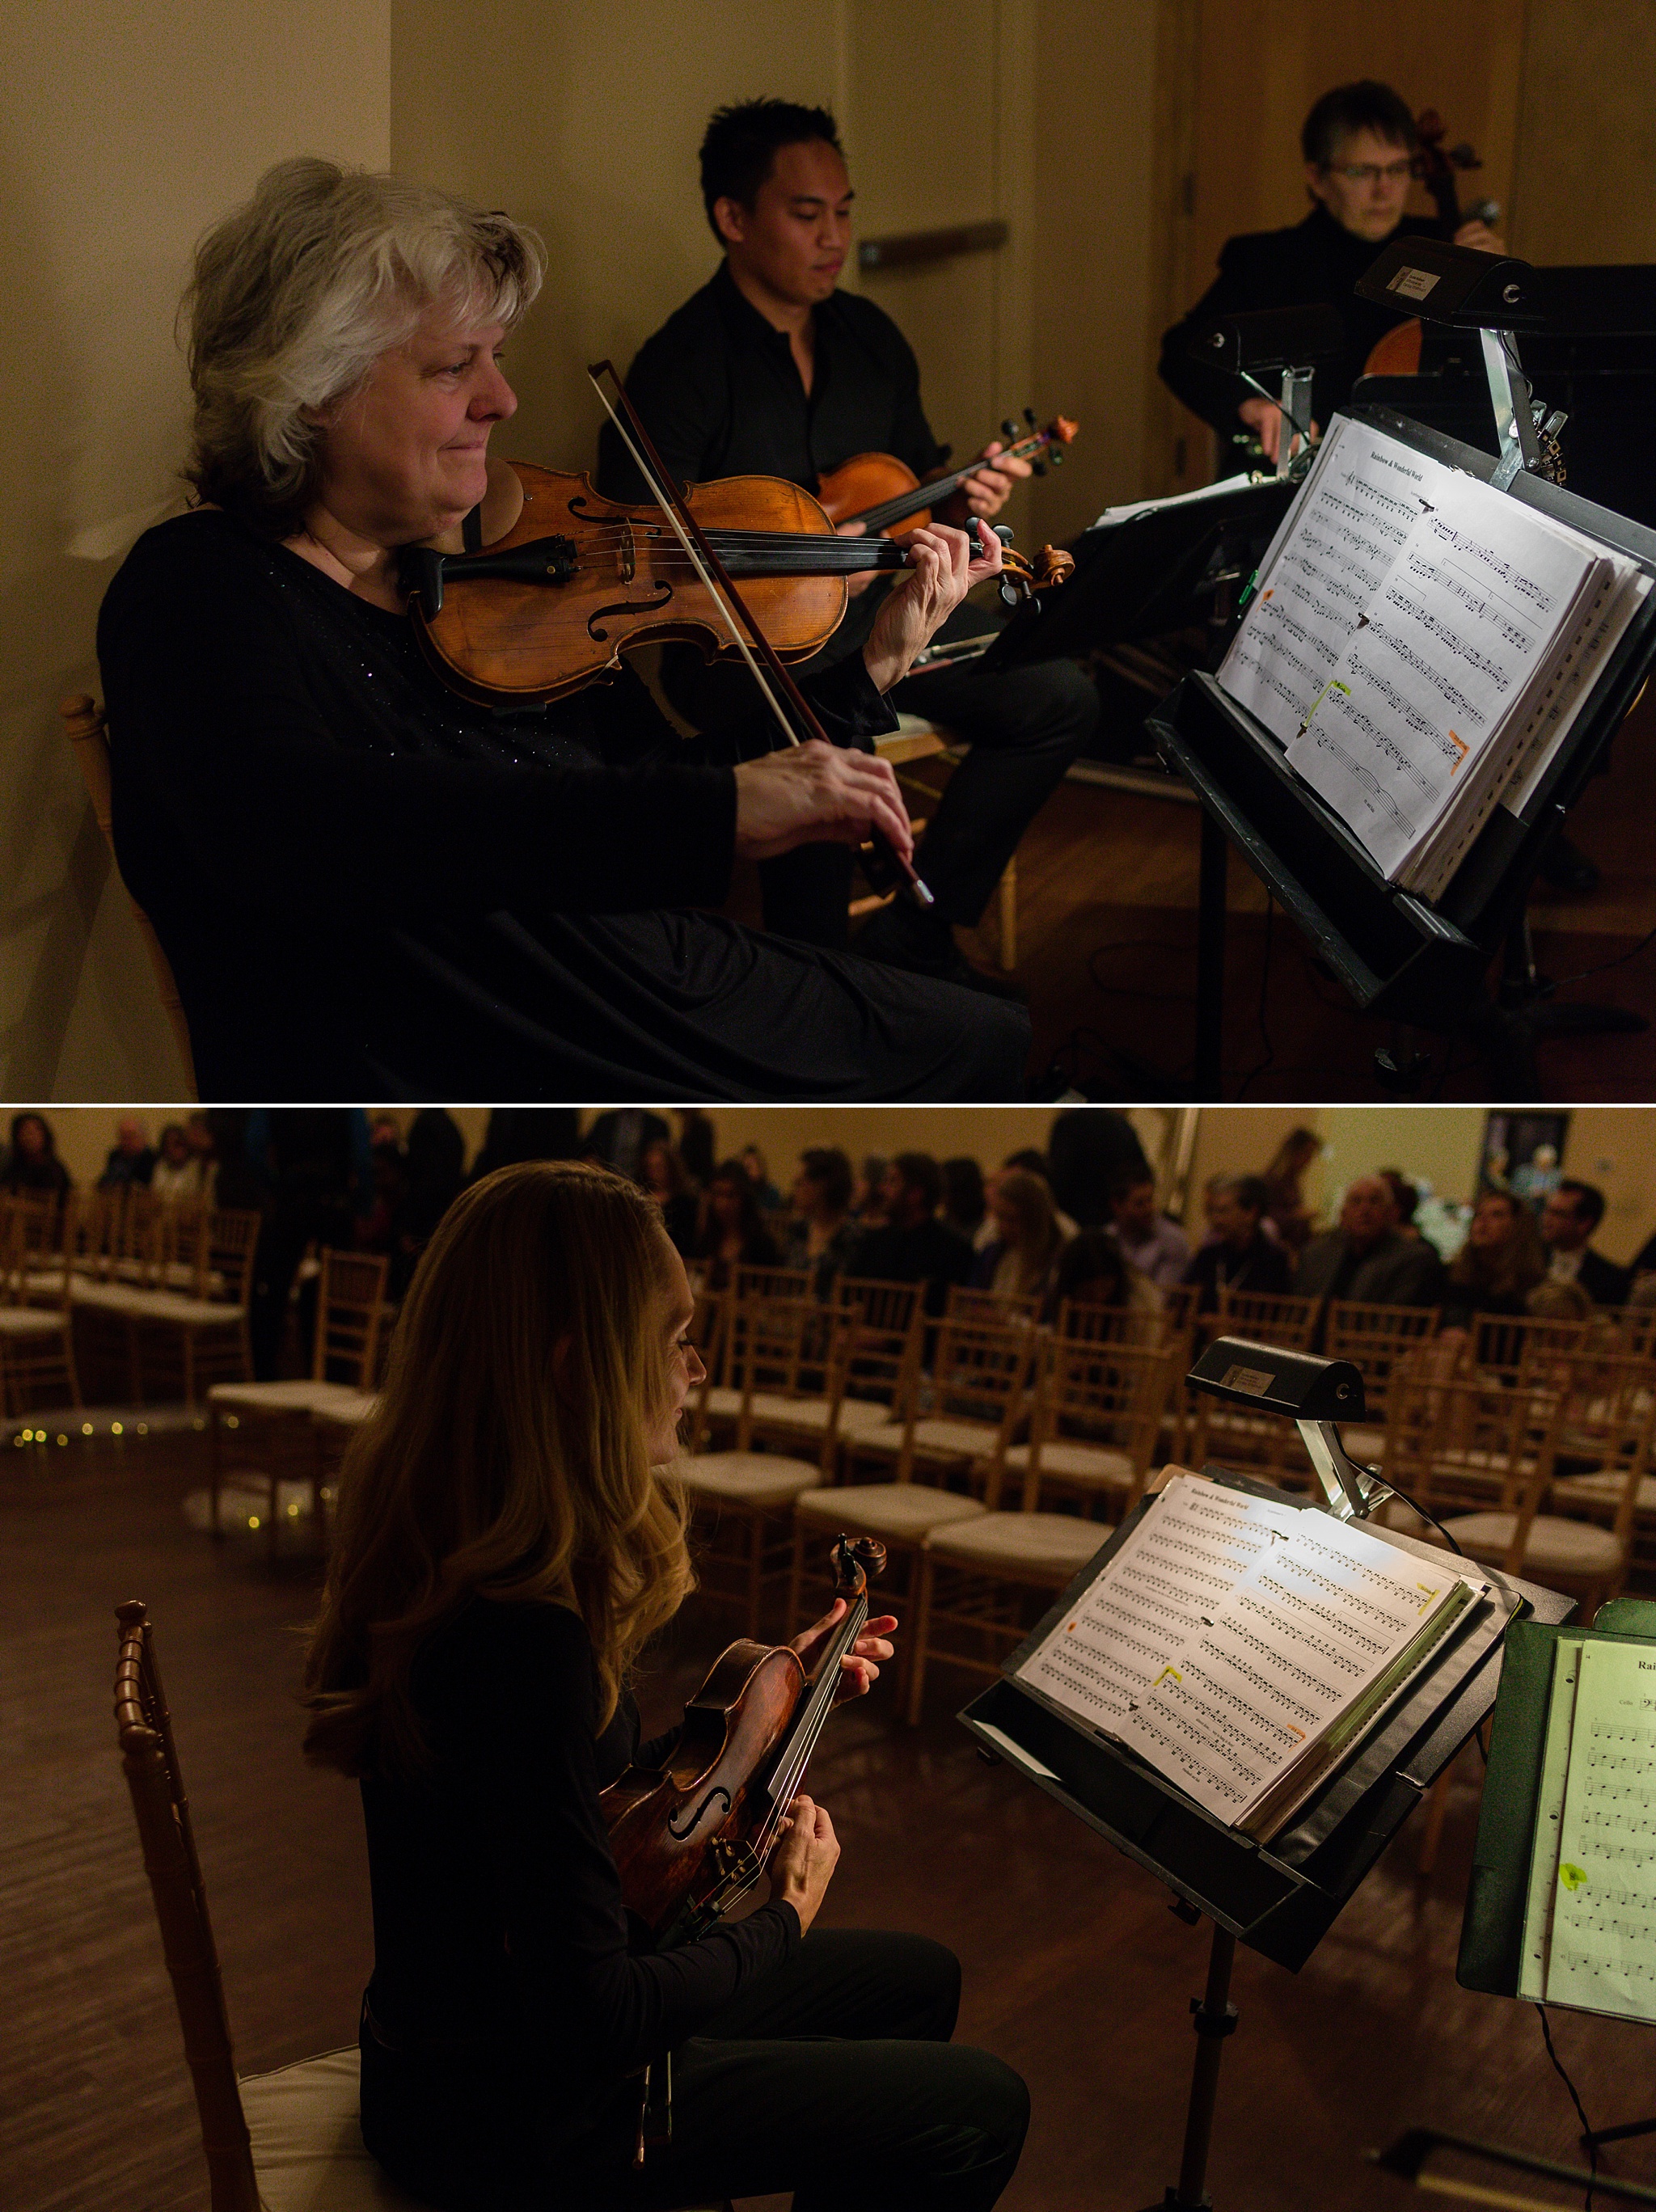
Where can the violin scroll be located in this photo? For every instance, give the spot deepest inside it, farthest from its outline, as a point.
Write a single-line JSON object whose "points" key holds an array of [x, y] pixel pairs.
{"points": [[857, 1560]]}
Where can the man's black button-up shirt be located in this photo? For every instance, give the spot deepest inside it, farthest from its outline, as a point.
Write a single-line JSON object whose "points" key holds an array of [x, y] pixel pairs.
{"points": [[720, 395]]}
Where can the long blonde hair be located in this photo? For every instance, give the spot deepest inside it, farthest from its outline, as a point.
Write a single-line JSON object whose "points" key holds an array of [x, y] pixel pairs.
{"points": [[509, 1455]]}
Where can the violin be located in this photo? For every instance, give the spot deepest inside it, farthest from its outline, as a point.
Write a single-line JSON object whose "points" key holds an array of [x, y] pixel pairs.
{"points": [[883, 494], [579, 579], [1398, 353], [693, 1838]]}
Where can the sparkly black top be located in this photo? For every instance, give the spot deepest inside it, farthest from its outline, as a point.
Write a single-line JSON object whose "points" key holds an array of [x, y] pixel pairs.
{"points": [[368, 885]]}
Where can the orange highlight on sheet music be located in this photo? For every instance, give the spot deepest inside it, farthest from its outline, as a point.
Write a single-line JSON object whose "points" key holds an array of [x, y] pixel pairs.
{"points": [[1460, 747]]}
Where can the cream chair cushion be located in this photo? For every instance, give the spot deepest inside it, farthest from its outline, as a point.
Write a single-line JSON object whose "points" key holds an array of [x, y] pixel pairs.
{"points": [[810, 1415], [747, 1478], [1041, 1544], [723, 1404], [309, 2152], [903, 1511], [1101, 1466], [1555, 1546], [936, 1437], [328, 1401], [1605, 1490], [29, 1320]]}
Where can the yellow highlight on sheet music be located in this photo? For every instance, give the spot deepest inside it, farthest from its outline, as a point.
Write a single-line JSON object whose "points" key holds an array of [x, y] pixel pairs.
{"points": [[1571, 1876], [1167, 1674]]}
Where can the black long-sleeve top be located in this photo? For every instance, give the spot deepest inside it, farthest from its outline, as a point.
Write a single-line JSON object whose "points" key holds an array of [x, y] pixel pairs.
{"points": [[499, 1928], [368, 885], [1310, 263]]}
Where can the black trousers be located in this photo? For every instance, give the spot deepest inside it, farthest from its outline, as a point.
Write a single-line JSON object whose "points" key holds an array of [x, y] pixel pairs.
{"points": [[833, 2077]]}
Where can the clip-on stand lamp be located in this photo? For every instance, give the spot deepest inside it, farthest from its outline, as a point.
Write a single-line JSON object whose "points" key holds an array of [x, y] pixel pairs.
{"points": [[1313, 1394], [1497, 297]]}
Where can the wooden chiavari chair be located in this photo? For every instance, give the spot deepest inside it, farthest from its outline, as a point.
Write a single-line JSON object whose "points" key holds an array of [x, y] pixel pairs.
{"points": [[36, 1342], [1265, 1446], [1374, 1337], [186, 1341], [1095, 1424]]}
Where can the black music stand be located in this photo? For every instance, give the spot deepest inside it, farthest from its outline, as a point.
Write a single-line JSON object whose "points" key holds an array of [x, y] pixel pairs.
{"points": [[1278, 1898], [1420, 965]]}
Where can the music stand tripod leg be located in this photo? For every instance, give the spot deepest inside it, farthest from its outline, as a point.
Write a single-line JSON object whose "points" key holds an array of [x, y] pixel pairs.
{"points": [[1210, 961], [1213, 2018]]}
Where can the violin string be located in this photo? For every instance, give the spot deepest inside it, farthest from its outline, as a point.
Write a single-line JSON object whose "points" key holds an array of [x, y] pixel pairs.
{"points": [[696, 562], [812, 1723]]}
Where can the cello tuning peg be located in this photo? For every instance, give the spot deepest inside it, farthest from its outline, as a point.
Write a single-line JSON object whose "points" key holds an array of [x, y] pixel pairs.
{"points": [[1029, 416], [1008, 428]]}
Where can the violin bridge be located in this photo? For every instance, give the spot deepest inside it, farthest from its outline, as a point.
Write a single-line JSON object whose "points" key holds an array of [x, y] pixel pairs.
{"points": [[626, 554]]}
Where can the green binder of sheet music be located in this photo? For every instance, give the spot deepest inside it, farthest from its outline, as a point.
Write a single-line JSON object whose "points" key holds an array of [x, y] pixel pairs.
{"points": [[1567, 1755]]}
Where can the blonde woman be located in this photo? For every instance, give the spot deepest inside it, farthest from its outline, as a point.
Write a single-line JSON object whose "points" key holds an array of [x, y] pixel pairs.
{"points": [[1020, 1260], [369, 885], [505, 1546]]}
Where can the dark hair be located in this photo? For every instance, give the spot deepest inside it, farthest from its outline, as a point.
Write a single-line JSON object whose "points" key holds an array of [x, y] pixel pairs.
{"points": [[826, 1166], [1249, 1191], [28, 1115], [1030, 1161], [920, 1171], [1405, 1196], [1517, 1267], [733, 1172], [1089, 1258], [1349, 108], [963, 1191], [741, 142], [1589, 1199]]}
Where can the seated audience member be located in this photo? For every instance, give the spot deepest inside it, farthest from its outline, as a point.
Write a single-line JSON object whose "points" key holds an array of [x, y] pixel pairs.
{"points": [[966, 1203], [1088, 1148], [176, 1173], [1553, 1300], [1405, 1200], [697, 1147], [31, 1161], [1019, 1260], [1568, 1219], [1365, 1258], [733, 1236], [435, 1160], [1092, 1270], [198, 1133], [1027, 1162], [1155, 1245], [367, 883], [132, 1160], [616, 1140], [868, 1199], [823, 1235], [758, 1174], [1241, 1257], [662, 1172], [914, 1246], [1283, 1177], [1499, 1265]]}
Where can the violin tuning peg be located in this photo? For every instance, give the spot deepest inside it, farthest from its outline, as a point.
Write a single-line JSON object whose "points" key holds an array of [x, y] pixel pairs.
{"points": [[1029, 416], [1008, 428]]}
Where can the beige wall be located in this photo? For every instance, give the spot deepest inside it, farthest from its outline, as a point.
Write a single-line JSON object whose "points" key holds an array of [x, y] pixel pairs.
{"points": [[129, 127]]}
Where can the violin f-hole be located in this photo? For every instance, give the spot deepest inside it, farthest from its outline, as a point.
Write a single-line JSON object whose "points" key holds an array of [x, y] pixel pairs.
{"points": [[679, 1825], [663, 593]]}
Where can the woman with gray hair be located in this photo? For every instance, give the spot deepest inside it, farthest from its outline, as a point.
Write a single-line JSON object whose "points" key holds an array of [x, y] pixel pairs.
{"points": [[366, 884]]}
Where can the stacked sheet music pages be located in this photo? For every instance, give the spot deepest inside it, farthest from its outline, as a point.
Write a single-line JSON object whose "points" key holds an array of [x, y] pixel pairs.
{"points": [[1421, 645], [1243, 1647], [1590, 1926]]}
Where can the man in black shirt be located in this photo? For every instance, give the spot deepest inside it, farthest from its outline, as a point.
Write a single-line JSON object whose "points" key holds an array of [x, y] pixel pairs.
{"points": [[914, 1246], [1359, 146], [770, 369], [1244, 1258], [1568, 1219]]}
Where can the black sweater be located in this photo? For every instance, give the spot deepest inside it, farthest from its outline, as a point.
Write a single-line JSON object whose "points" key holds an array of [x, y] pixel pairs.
{"points": [[502, 1947]]}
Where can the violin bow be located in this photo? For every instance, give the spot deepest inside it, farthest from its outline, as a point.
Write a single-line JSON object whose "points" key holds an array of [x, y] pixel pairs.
{"points": [[716, 581]]}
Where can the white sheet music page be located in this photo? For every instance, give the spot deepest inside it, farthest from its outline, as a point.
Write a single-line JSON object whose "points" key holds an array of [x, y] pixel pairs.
{"points": [[1332, 555], [1189, 1551], [1456, 643], [1319, 1614], [1602, 1946]]}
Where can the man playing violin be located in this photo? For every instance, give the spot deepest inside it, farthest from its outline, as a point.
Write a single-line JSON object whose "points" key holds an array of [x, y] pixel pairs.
{"points": [[1359, 145], [771, 369]]}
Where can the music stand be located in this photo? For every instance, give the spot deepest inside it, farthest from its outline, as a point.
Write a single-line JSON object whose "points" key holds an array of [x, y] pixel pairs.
{"points": [[1281, 1897], [1396, 954]]}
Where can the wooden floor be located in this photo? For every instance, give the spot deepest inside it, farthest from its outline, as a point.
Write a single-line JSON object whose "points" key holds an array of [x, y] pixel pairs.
{"points": [[1076, 1972], [1106, 901]]}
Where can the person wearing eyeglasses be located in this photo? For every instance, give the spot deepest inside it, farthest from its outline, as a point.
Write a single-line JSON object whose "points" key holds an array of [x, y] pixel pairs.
{"points": [[1359, 144]]}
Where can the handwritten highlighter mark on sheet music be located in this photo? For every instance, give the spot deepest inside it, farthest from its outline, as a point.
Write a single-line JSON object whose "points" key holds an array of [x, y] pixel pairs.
{"points": [[1274, 1619]]}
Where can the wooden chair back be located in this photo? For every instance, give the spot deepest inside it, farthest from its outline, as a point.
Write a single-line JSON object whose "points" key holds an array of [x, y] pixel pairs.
{"points": [[87, 732], [232, 1246], [1468, 1444], [771, 1283], [1514, 1346], [94, 1237], [1180, 1301], [1374, 1338], [878, 1330], [1635, 1328], [992, 1307], [1081, 1322], [149, 1760], [1099, 1393], [980, 1373], [1266, 1318], [349, 1309]]}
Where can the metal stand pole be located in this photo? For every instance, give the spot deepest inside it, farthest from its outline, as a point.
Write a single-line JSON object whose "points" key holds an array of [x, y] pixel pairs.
{"points": [[1213, 2018], [1210, 961]]}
